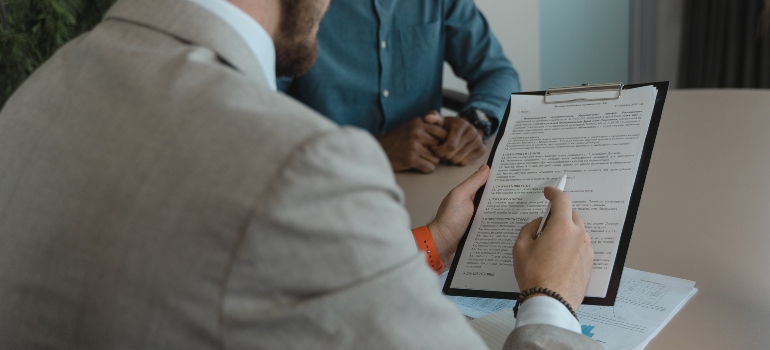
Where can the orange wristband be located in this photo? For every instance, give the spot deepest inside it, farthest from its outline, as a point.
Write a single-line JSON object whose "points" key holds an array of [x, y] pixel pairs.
{"points": [[424, 240]]}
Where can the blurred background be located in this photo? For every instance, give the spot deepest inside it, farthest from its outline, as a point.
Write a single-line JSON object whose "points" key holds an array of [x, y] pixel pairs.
{"points": [[32, 30], [692, 43]]}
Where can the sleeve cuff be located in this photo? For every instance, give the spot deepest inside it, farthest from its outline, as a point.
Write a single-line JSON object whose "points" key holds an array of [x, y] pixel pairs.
{"points": [[546, 310]]}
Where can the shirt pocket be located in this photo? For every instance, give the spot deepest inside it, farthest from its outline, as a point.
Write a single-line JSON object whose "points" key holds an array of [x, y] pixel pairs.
{"points": [[421, 52]]}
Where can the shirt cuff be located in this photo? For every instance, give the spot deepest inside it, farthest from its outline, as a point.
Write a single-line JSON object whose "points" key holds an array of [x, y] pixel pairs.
{"points": [[546, 310]]}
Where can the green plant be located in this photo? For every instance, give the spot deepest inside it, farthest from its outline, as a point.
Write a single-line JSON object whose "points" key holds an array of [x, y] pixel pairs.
{"points": [[32, 30]]}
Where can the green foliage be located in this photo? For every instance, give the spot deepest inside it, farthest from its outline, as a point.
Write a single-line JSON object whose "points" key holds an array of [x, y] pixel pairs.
{"points": [[32, 30]]}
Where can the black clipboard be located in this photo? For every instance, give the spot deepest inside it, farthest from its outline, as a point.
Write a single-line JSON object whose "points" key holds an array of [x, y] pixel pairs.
{"points": [[636, 193]]}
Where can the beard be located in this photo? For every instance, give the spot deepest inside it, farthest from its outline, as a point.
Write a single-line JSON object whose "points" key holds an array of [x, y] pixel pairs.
{"points": [[296, 45]]}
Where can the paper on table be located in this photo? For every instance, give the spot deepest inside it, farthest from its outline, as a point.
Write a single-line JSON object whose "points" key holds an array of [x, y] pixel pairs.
{"points": [[477, 307], [597, 143], [645, 303]]}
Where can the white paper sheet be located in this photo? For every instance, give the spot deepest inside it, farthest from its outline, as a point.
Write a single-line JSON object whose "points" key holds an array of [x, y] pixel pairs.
{"points": [[597, 143], [646, 302]]}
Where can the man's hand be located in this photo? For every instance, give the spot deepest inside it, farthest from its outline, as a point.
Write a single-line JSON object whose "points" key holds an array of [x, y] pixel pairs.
{"points": [[464, 142], [561, 258], [454, 215], [408, 146]]}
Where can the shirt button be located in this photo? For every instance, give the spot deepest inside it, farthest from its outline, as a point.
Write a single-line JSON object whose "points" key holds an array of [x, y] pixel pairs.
{"points": [[383, 44], [385, 93]]}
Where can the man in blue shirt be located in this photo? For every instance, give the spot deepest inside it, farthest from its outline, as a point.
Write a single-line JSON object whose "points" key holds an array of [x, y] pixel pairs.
{"points": [[380, 68]]}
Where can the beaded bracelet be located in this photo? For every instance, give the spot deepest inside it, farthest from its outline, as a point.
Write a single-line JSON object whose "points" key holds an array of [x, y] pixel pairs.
{"points": [[541, 290]]}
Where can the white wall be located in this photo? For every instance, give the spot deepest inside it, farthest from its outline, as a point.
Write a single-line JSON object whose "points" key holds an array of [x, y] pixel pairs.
{"points": [[584, 42], [559, 42], [516, 25]]}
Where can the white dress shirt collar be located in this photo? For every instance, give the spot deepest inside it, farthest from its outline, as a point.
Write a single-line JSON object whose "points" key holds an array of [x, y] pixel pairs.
{"points": [[250, 30]]}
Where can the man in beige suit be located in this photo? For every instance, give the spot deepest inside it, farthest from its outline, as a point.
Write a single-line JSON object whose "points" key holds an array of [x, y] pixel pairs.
{"points": [[156, 193]]}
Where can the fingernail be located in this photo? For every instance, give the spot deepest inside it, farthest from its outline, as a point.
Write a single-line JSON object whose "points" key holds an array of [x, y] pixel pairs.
{"points": [[481, 167]]}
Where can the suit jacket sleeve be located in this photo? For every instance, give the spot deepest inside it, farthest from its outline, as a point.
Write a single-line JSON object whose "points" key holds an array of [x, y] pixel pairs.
{"points": [[329, 261], [477, 57], [542, 336]]}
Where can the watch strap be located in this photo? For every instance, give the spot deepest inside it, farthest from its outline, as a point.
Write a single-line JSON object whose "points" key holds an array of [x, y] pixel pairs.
{"points": [[481, 120], [425, 243]]}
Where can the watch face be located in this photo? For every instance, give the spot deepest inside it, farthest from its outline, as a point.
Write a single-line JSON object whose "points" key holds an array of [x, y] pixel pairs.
{"points": [[478, 119], [481, 115]]}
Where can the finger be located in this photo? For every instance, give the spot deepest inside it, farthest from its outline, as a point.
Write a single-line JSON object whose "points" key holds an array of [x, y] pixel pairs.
{"points": [[561, 204], [464, 134], [528, 233], [473, 144], [426, 154], [435, 131], [473, 156], [453, 140], [451, 147], [434, 118], [426, 134], [425, 139], [422, 165]]}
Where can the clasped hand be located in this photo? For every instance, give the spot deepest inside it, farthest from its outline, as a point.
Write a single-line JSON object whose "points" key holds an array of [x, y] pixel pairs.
{"points": [[424, 142]]}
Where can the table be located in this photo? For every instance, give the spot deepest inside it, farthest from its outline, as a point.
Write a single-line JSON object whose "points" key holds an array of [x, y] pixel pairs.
{"points": [[704, 215]]}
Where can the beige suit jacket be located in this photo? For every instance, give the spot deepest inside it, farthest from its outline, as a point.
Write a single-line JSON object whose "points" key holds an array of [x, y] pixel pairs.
{"points": [[156, 194]]}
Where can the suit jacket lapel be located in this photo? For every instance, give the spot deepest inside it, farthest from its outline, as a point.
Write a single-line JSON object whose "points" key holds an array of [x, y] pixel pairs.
{"points": [[191, 23]]}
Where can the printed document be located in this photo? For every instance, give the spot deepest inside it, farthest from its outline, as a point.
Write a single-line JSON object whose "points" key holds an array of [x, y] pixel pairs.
{"points": [[598, 144], [644, 305]]}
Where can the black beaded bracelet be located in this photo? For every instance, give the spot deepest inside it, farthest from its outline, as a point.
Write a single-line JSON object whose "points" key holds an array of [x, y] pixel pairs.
{"points": [[540, 290]]}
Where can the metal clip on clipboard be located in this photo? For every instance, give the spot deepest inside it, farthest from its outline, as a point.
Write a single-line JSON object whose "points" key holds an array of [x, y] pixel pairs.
{"points": [[588, 92]]}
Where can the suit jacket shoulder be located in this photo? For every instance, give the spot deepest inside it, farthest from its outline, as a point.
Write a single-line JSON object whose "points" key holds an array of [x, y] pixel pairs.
{"points": [[133, 161]]}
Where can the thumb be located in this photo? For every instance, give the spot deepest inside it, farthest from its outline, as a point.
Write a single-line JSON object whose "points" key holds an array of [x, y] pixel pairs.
{"points": [[472, 184], [561, 204]]}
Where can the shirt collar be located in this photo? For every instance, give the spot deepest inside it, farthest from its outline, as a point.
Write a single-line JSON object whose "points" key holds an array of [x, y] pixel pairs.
{"points": [[251, 32]]}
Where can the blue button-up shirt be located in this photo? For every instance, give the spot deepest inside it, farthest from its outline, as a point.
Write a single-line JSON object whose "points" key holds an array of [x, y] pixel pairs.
{"points": [[380, 62]]}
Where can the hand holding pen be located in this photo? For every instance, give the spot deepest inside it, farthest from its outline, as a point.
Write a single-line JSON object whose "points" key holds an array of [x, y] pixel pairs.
{"points": [[561, 259]]}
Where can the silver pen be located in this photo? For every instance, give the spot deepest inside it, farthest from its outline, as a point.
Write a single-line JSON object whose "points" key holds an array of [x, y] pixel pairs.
{"points": [[560, 185]]}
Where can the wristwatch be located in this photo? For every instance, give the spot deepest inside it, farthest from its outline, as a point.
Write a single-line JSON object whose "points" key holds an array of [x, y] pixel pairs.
{"points": [[480, 120]]}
